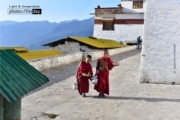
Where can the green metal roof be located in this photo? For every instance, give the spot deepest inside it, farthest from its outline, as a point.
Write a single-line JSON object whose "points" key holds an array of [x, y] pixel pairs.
{"points": [[17, 77]]}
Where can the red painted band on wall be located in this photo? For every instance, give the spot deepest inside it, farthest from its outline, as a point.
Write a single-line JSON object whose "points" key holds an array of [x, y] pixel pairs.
{"points": [[122, 21]]}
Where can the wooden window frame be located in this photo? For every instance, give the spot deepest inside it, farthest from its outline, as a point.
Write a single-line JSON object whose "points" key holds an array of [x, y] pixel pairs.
{"points": [[137, 5], [108, 25]]}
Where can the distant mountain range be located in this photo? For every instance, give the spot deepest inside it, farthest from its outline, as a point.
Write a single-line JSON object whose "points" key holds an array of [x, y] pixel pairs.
{"points": [[36, 33]]}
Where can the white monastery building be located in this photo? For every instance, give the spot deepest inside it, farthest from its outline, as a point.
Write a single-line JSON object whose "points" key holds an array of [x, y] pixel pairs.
{"points": [[123, 23], [160, 56]]}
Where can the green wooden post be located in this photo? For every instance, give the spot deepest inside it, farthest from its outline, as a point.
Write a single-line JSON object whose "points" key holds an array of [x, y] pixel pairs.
{"points": [[12, 111], [1, 107]]}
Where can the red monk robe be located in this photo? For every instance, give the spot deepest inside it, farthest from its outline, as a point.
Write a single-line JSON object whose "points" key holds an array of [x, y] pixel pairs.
{"points": [[83, 81], [104, 64]]}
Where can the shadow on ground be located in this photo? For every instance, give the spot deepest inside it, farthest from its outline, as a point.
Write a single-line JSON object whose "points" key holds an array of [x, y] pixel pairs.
{"points": [[138, 98]]}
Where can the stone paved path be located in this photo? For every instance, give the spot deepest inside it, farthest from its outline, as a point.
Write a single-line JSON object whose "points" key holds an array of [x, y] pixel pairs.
{"points": [[128, 100]]}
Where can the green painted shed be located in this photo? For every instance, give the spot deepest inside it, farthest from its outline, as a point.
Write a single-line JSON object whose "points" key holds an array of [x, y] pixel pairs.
{"points": [[17, 78]]}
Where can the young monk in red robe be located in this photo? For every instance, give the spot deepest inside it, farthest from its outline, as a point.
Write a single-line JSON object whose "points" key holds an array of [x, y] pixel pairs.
{"points": [[104, 65], [84, 73]]}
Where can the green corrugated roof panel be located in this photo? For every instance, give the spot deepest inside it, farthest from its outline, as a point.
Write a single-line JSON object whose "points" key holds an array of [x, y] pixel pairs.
{"points": [[17, 77]]}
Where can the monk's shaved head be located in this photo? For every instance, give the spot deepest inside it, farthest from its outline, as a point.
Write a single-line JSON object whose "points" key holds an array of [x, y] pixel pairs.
{"points": [[105, 50], [105, 53], [89, 56]]}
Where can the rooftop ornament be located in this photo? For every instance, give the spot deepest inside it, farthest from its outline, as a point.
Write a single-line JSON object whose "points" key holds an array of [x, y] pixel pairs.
{"points": [[119, 5]]}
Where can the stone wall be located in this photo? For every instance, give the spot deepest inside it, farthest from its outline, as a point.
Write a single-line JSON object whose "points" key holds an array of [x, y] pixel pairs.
{"points": [[160, 62], [71, 47], [50, 62], [121, 33]]}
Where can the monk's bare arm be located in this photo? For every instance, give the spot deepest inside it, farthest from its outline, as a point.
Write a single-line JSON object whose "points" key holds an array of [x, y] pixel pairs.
{"points": [[90, 73]]}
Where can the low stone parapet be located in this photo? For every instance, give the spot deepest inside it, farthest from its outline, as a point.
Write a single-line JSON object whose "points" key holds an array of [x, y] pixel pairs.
{"points": [[54, 61]]}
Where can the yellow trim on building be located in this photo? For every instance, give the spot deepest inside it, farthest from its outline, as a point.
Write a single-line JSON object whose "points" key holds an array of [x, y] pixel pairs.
{"points": [[39, 54], [17, 49], [98, 42], [32, 54]]}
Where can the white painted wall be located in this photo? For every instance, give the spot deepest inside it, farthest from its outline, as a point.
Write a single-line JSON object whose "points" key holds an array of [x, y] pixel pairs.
{"points": [[50, 62], [121, 33], [121, 16], [128, 6], [160, 61]]}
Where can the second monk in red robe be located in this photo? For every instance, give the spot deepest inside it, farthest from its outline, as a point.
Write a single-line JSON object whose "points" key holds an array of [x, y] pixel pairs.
{"points": [[104, 65], [84, 73]]}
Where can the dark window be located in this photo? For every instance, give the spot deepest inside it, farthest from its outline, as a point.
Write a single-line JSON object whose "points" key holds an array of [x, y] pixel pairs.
{"points": [[108, 25], [137, 4]]}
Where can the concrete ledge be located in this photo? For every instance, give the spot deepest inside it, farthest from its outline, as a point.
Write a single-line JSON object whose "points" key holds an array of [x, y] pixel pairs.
{"points": [[50, 62]]}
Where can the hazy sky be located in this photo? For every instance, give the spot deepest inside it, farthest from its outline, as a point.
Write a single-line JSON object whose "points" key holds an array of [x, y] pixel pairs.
{"points": [[55, 10]]}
